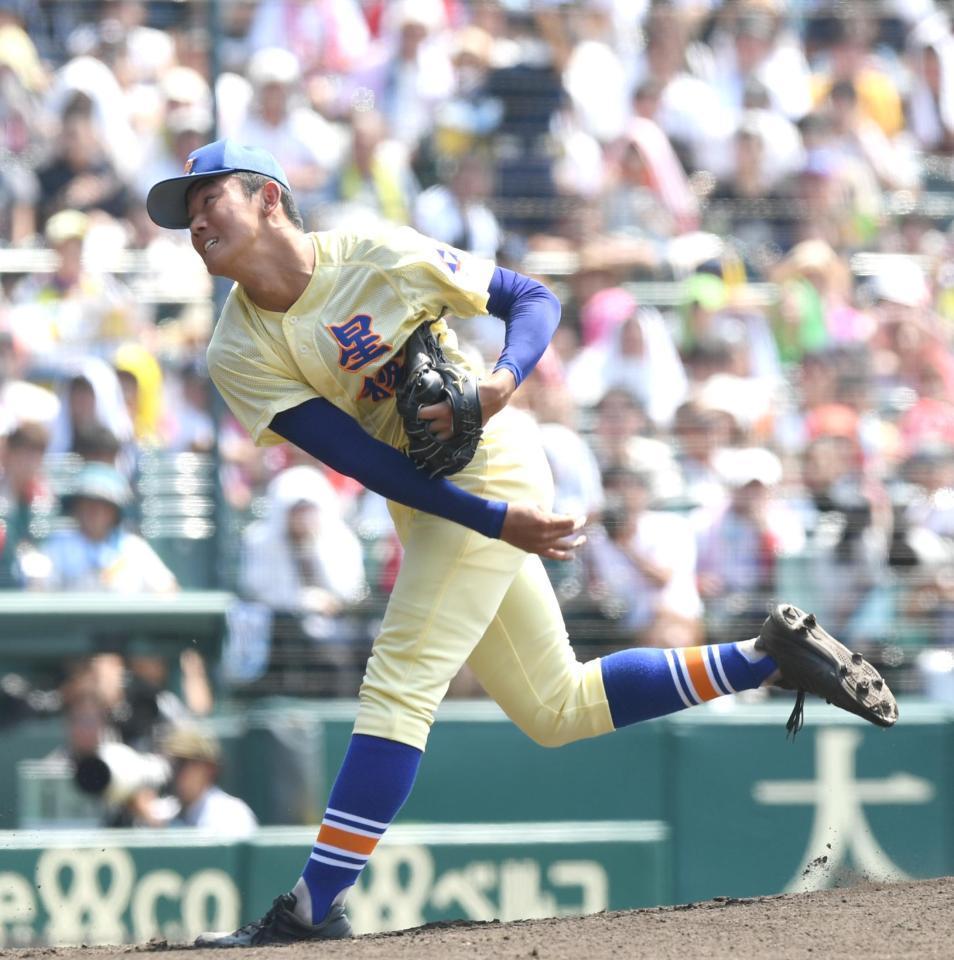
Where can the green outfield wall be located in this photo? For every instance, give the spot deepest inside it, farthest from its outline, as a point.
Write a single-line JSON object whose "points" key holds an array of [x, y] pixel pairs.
{"points": [[752, 814], [135, 885]]}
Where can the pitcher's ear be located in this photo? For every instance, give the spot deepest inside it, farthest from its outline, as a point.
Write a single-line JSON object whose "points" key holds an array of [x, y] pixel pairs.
{"points": [[271, 195]]}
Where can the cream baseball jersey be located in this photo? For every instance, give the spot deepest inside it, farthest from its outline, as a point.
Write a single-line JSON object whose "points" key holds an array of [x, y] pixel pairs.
{"points": [[341, 339]]}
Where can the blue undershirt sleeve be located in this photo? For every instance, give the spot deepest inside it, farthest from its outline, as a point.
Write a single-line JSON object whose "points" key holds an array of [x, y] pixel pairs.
{"points": [[531, 313], [339, 441]]}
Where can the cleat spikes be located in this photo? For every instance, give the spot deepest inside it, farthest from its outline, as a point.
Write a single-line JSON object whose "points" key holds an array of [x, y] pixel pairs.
{"points": [[810, 660]]}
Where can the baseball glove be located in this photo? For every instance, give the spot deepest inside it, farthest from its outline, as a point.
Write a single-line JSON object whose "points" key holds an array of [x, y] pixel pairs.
{"points": [[428, 377]]}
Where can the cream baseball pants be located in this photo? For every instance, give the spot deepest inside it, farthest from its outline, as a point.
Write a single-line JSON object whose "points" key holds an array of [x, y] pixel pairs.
{"points": [[463, 598]]}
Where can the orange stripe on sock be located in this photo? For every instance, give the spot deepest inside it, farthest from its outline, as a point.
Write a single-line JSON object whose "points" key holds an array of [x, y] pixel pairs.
{"points": [[697, 673], [352, 842]]}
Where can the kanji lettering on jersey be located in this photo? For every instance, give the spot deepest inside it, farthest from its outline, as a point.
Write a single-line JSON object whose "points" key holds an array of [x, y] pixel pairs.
{"points": [[451, 260], [382, 384], [358, 344]]}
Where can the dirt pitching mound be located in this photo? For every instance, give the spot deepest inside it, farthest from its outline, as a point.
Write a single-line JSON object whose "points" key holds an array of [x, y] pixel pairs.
{"points": [[903, 921]]}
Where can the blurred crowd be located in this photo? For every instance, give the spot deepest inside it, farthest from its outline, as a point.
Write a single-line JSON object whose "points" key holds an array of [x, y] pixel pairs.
{"points": [[744, 205]]}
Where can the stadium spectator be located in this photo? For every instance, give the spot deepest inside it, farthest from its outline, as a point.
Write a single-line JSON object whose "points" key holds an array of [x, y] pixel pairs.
{"points": [[183, 130], [622, 436], [182, 88], [740, 541], [95, 443], [116, 715], [24, 124], [193, 427], [140, 378], [88, 734], [690, 110], [798, 319], [699, 434], [930, 419], [749, 202], [705, 297], [196, 761], [847, 521], [324, 35], [99, 553], [727, 344], [855, 135], [835, 197], [20, 399], [92, 397], [526, 82], [465, 119], [147, 52], [594, 75], [135, 695], [757, 47], [627, 347], [80, 175], [642, 565], [304, 563], [908, 340], [848, 56], [647, 193], [77, 307], [375, 182], [26, 501], [578, 486], [308, 147], [815, 302], [784, 151], [930, 99], [930, 504], [456, 211], [410, 72]]}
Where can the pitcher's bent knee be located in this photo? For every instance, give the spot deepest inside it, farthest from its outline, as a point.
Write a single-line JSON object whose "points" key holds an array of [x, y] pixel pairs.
{"points": [[556, 731], [550, 735], [575, 709], [558, 726]]}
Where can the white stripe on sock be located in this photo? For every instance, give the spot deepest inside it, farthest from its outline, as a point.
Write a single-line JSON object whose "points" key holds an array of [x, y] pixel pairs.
{"points": [[349, 829], [357, 867], [675, 679], [342, 851], [363, 820], [710, 673], [690, 687], [717, 656]]}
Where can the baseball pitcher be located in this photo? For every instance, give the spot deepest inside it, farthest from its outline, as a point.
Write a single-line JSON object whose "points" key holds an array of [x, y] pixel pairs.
{"points": [[337, 342]]}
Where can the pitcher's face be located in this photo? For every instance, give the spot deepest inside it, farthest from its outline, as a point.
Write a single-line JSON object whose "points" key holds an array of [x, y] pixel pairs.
{"points": [[223, 223]]}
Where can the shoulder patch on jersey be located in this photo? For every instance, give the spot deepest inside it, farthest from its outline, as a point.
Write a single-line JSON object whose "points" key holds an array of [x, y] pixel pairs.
{"points": [[358, 343]]}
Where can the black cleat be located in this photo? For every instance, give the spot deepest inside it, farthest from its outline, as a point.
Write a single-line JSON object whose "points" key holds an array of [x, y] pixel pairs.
{"points": [[811, 660], [282, 925]]}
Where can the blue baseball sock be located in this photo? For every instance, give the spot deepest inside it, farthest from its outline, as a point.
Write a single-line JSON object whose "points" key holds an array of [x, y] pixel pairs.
{"points": [[374, 781], [642, 683]]}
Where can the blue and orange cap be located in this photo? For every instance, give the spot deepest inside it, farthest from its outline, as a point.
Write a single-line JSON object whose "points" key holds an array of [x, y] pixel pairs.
{"points": [[166, 202]]}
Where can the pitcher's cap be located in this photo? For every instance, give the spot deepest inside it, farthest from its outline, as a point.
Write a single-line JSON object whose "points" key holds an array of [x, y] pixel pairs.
{"points": [[166, 202]]}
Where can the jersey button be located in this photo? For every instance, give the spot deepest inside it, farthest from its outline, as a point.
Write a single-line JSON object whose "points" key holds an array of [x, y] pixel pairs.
{"points": [[303, 349], [292, 319]]}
